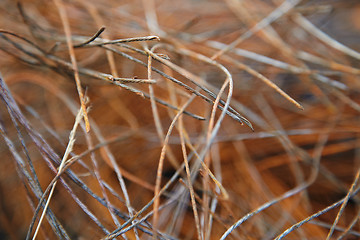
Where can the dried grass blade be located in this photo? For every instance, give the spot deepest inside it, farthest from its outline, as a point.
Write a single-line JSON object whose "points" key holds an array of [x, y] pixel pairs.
{"points": [[60, 6], [62, 164], [285, 7]]}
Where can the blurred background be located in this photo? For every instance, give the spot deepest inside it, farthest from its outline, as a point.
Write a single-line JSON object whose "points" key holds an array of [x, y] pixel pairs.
{"points": [[208, 119]]}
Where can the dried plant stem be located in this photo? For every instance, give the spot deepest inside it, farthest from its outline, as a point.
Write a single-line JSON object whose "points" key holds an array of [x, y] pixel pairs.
{"points": [[151, 18], [315, 215], [286, 66], [161, 163], [160, 133], [211, 178], [118, 41], [264, 79], [164, 142], [285, 7], [62, 164], [182, 132], [195, 79], [59, 4], [303, 186], [188, 174], [211, 132], [92, 38], [224, 193], [100, 23], [343, 205], [311, 28]]}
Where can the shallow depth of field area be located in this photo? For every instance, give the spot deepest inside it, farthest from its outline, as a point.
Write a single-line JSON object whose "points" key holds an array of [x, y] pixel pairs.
{"points": [[192, 119]]}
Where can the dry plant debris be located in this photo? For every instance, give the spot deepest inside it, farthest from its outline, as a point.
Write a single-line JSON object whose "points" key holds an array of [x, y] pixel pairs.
{"points": [[179, 119]]}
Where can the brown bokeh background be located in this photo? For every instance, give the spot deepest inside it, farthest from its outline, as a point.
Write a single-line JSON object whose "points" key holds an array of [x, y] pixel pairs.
{"points": [[299, 162]]}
